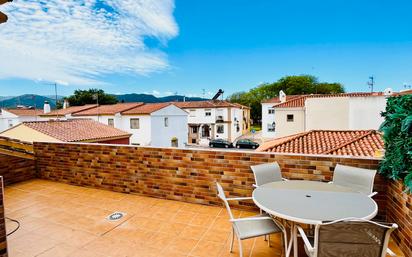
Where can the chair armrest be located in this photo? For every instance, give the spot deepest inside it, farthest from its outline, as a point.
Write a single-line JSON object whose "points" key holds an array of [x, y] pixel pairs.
{"points": [[251, 219], [255, 186], [389, 251], [239, 198], [305, 239], [285, 179], [373, 194]]}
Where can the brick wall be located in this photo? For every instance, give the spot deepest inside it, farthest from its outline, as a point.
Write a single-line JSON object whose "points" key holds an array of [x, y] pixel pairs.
{"points": [[16, 169], [400, 211], [184, 175], [3, 237]]}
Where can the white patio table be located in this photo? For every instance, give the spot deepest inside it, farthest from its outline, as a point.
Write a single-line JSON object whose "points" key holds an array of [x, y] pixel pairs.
{"points": [[311, 202]]}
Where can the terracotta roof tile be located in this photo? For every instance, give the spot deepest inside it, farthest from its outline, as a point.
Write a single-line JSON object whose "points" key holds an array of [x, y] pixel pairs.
{"points": [[207, 104], [294, 102], [300, 101], [76, 130], [329, 142], [277, 100], [25, 112], [404, 92], [110, 109], [146, 108], [70, 110]]}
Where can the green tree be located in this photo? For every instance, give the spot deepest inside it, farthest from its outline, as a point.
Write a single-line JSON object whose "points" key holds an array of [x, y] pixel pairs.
{"points": [[397, 128], [82, 97], [291, 85]]}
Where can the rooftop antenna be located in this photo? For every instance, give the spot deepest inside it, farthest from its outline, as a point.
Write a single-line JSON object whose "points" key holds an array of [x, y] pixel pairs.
{"points": [[96, 97], [55, 95], [371, 82]]}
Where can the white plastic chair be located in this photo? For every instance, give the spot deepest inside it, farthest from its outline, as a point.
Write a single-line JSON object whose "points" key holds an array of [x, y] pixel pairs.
{"points": [[250, 227], [349, 237], [266, 173], [359, 179]]}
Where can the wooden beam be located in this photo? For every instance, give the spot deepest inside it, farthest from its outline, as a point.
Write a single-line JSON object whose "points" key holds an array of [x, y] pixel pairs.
{"points": [[17, 154], [16, 145]]}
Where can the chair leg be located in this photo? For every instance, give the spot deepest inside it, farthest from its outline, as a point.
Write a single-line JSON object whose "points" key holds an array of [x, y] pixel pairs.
{"points": [[268, 235], [231, 241], [240, 247]]}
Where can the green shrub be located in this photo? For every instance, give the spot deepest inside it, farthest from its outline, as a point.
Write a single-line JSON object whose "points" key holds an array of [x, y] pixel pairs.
{"points": [[397, 129]]}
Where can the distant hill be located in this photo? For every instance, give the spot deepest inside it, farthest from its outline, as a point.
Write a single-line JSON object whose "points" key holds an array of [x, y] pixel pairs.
{"points": [[38, 100], [27, 100], [153, 99]]}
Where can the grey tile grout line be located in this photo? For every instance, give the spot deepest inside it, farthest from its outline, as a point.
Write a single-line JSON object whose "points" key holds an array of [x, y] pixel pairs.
{"points": [[207, 230]]}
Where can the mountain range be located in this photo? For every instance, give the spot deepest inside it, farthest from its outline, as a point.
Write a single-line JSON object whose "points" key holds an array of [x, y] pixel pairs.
{"points": [[38, 100]]}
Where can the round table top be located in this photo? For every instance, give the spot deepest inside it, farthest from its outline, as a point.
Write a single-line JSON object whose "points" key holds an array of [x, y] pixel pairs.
{"points": [[312, 202]]}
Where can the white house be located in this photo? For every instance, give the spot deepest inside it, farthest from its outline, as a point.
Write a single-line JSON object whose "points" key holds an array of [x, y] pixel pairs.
{"points": [[288, 115], [150, 124], [215, 119], [12, 117]]}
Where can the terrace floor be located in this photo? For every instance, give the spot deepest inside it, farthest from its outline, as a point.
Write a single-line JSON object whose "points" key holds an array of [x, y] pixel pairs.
{"points": [[63, 220]]}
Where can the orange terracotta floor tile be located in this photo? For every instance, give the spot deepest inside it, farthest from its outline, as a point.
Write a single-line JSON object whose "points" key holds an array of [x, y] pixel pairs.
{"points": [[62, 220]]}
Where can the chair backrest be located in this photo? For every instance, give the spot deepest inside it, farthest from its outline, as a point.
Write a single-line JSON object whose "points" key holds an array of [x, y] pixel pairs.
{"points": [[266, 173], [358, 179], [222, 196], [354, 237]]}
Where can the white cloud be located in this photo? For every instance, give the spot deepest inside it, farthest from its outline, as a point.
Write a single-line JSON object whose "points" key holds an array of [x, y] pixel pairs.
{"points": [[78, 41], [155, 93]]}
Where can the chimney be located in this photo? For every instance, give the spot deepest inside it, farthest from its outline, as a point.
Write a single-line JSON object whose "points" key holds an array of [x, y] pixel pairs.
{"points": [[66, 104], [282, 96], [46, 107]]}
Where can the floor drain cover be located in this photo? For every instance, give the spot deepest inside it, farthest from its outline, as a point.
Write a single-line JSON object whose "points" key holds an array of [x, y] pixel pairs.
{"points": [[116, 216]]}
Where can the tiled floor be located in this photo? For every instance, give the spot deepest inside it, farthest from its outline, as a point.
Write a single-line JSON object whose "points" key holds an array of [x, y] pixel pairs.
{"points": [[62, 220]]}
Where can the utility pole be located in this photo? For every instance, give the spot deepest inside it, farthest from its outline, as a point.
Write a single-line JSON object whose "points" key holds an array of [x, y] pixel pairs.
{"points": [[371, 83], [96, 97]]}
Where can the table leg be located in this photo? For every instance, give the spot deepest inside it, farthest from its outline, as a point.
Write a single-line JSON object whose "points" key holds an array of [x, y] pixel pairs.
{"points": [[290, 243], [295, 241]]}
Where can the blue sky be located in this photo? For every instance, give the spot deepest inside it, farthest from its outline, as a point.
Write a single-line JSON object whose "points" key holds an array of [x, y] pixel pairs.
{"points": [[163, 46]]}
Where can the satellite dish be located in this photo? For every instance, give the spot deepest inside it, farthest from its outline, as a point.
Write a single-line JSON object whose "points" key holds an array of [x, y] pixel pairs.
{"points": [[388, 91]]}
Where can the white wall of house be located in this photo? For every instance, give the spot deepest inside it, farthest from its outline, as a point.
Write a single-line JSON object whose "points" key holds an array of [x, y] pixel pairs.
{"points": [[364, 112], [141, 135], [230, 116], [268, 117], [285, 127], [8, 119], [151, 130], [163, 131], [237, 123], [327, 113]]}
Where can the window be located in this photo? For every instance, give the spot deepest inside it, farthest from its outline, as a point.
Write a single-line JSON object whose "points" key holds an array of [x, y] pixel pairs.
{"points": [[134, 124], [208, 112], [192, 113], [166, 122], [194, 130], [271, 111], [110, 122], [271, 127], [289, 118], [220, 129]]}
